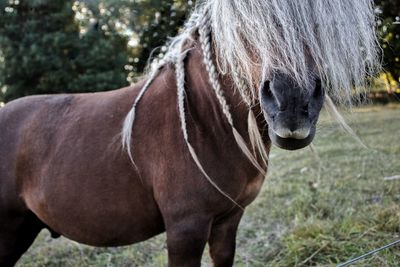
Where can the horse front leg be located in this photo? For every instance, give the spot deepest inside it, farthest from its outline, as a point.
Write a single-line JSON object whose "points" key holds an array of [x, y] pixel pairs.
{"points": [[17, 233], [186, 239], [222, 239]]}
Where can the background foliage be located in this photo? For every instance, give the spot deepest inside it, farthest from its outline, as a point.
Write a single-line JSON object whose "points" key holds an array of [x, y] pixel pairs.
{"points": [[55, 46], [389, 28], [44, 52]]}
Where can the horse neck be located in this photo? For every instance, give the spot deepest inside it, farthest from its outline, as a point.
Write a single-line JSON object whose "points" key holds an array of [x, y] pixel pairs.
{"points": [[209, 131], [203, 99]]}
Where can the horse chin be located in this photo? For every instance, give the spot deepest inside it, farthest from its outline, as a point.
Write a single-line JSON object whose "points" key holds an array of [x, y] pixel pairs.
{"points": [[290, 143]]}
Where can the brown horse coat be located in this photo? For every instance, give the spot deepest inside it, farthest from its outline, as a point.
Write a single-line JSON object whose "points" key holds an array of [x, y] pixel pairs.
{"points": [[62, 167]]}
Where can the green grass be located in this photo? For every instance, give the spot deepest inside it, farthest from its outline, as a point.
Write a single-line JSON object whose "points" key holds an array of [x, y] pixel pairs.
{"points": [[314, 210]]}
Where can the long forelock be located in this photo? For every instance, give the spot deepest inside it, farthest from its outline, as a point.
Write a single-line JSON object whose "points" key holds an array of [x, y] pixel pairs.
{"points": [[339, 36]]}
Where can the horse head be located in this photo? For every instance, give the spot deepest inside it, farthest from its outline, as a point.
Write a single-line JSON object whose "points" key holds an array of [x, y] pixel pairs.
{"points": [[291, 110]]}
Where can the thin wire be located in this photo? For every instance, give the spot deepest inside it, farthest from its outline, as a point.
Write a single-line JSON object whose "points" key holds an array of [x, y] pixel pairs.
{"points": [[368, 254]]}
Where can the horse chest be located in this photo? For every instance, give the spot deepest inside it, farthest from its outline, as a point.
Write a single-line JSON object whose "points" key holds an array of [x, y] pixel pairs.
{"points": [[252, 189]]}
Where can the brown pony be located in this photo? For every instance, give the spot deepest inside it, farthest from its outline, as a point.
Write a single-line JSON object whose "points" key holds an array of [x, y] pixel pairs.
{"points": [[62, 165]]}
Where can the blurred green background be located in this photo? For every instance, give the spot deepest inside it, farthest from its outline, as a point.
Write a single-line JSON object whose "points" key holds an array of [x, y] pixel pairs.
{"points": [[66, 46]]}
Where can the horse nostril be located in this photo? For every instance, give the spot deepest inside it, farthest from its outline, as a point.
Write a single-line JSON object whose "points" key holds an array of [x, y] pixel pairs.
{"points": [[305, 109], [266, 91], [318, 89], [268, 99]]}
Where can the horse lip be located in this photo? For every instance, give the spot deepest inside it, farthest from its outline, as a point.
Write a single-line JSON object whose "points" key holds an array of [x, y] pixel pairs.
{"points": [[298, 134], [290, 143]]}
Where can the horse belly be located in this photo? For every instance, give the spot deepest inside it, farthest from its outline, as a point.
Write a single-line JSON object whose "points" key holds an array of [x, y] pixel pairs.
{"points": [[98, 214]]}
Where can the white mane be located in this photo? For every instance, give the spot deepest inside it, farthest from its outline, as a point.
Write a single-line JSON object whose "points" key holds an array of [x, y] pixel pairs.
{"points": [[254, 38]]}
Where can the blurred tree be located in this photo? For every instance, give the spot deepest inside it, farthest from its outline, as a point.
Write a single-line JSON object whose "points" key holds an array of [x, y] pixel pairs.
{"points": [[34, 40], [100, 63], [148, 24], [52, 46], [154, 24], [389, 29], [43, 51]]}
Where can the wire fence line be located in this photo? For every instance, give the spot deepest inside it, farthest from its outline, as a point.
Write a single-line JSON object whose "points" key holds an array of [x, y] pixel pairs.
{"points": [[349, 262]]}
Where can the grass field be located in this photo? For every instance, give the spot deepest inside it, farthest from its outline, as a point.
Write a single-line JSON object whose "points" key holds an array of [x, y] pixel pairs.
{"points": [[314, 210]]}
